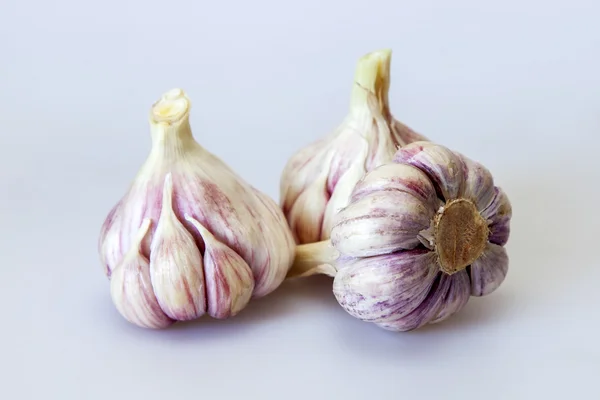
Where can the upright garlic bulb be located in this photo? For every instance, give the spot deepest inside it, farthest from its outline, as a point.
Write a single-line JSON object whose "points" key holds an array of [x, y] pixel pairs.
{"points": [[421, 234], [318, 179], [190, 236]]}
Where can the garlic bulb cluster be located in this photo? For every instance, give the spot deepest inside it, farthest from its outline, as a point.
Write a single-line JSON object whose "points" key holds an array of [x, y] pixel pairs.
{"points": [[317, 180], [190, 237], [419, 236]]}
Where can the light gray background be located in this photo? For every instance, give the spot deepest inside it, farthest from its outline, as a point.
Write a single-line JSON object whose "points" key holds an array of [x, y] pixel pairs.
{"points": [[513, 84]]}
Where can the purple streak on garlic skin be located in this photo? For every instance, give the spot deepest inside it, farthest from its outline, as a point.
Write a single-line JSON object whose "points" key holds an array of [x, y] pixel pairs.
{"points": [[229, 280], [499, 214], [397, 177], [131, 288], [176, 265], [142, 201], [444, 168], [447, 295], [425, 311], [488, 272], [455, 298], [500, 232], [380, 288], [110, 257], [380, 223], [479, 184], [463, 238]]}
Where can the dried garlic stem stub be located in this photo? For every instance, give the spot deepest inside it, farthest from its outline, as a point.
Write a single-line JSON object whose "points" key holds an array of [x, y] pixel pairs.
{"points": [[190, 237], [420, 236], [317, 180]]}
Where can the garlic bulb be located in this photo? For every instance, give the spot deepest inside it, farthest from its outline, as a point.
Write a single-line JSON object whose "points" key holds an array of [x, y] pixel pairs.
{"points": [[317, 180], [190, 236], [421, 234]]}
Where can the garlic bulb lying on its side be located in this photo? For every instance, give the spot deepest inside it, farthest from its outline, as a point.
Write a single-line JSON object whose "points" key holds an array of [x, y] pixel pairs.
{"points": [[190, 236], [420, 235], [317, 180]]}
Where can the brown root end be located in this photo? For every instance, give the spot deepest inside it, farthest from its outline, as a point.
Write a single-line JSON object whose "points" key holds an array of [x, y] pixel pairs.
{"points": [[461, 235]]}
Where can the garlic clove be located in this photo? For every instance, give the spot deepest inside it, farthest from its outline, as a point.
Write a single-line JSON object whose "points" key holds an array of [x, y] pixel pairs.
{"points": [[444, 167], [479, 184], [229, 280], [274, 259], [455, 298], [307, 212], [367, 138], [387, 287], [118, 233], [499, 214], [489, 270], [300, 175], [425, 311], [500, 231], [448, 295], [341, 184], [380, 223], [397, 177], [176, 264], [131, 287]]}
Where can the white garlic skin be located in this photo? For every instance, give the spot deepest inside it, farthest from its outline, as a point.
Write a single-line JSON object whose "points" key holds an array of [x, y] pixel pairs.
{"points": [[318, 179], [213, 241]]}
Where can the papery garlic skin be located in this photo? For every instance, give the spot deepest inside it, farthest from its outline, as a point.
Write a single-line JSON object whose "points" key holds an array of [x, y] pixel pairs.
{"points": [[419, 237], [317, 180], [213, 240]]}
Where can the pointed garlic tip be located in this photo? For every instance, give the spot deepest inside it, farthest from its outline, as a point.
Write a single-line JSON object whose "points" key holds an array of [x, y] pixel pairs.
{"points": [[173, 106], [372, 77]]}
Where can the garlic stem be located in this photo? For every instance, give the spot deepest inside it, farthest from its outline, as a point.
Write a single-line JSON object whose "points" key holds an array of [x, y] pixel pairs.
{"points": [[372, 80], [170, 124], [314, 258]]}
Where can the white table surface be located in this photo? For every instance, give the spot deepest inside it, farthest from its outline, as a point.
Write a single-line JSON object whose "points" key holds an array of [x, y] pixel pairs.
{"points": [[515, 85]]}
